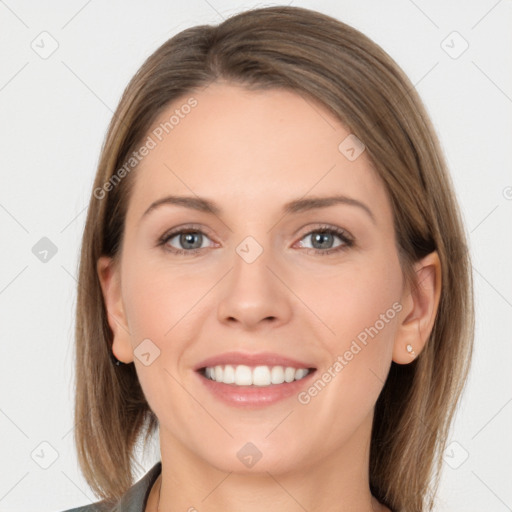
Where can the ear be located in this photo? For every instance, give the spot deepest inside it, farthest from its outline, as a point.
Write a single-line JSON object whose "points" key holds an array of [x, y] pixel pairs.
{"points": [[420, 301], [110, 280]]}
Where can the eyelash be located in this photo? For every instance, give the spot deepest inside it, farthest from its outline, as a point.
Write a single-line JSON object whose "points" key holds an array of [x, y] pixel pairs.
{"points": [[347, 240]]}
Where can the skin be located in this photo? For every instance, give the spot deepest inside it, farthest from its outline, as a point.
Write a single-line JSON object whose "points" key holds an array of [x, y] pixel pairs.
{"points": [[251, 152]]}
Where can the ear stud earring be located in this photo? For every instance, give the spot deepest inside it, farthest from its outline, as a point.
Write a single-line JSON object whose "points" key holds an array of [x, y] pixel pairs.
{"points": [[115, 361], [410, 350]]}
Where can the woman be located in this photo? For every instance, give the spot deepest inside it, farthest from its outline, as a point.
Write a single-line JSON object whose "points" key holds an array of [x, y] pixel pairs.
{"points": [[308, 349]]}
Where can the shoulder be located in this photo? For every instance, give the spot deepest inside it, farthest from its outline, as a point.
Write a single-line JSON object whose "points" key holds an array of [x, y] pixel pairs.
{"points": [[93, 507], [134, 499]]}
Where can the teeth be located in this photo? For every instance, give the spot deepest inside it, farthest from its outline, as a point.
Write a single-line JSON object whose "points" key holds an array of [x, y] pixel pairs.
{"points": [[242, 375]]}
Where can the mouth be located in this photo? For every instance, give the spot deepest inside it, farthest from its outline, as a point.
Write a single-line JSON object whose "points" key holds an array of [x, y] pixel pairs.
{"points": [[254, 380], [254, 376]]}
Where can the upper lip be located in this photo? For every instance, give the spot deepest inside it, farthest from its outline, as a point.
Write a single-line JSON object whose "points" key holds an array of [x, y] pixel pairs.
{"points": [[256, 359]]}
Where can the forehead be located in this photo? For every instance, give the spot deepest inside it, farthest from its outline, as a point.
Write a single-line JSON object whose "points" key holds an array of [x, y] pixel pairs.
{"points": [[252, 149]]}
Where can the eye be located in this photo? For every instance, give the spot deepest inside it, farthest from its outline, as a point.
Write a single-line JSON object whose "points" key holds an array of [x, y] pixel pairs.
{"points": [[190, 238], [323, 237]]}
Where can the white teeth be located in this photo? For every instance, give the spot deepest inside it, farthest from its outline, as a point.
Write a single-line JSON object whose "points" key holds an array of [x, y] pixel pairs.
{"points": [[289, 374], [277, 375], [229, 375], [261, 376], [299, 374], [242, 375]]}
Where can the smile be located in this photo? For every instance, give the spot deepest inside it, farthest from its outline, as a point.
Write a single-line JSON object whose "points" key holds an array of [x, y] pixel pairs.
{"points": [[243, 375]]}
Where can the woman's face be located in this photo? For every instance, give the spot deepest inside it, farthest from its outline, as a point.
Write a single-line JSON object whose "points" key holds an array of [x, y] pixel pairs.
{"points": [[257, 279]]}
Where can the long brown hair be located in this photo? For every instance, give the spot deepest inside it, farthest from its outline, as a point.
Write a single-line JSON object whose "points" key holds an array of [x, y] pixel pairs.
{"points": [[330, 62]]}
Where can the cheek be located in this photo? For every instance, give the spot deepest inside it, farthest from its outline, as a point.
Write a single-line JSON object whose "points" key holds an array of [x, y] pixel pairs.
{"points": [[163, 306], [361, 307], [360, 301], [363, 317], [159, 298]]}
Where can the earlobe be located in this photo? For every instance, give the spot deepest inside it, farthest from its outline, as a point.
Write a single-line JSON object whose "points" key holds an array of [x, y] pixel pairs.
{"points": [[421, 301], [109, 277]]}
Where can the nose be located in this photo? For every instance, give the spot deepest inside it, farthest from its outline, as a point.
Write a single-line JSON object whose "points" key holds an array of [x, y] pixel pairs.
{"points": [[254, 293]]}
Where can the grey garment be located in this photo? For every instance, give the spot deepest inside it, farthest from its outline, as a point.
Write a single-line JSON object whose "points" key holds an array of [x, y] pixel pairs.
{"points": [[133, 500]]}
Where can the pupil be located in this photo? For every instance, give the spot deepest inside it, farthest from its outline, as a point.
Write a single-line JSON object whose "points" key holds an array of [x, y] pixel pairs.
{"points": [[187, 238], [320, 237]]}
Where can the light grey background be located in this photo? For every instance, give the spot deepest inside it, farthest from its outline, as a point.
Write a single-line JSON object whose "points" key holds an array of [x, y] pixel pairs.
{"points": [[54, 113]]}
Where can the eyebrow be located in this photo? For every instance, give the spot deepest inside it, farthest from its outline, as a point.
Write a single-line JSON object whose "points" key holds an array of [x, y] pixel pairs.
{"points": [[295, 206]]}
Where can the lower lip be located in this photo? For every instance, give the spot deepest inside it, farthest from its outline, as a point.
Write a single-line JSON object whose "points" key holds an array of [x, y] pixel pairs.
{"points": [[254, 396]]}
